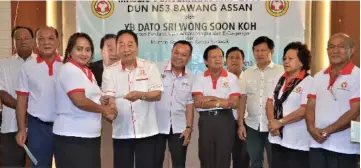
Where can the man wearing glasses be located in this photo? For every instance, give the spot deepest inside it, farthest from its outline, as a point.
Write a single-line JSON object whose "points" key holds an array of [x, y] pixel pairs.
{"points": [[332, 103]]}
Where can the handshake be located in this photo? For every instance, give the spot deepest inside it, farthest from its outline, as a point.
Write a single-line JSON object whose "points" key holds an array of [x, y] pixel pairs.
{"points": [[109, 110]]}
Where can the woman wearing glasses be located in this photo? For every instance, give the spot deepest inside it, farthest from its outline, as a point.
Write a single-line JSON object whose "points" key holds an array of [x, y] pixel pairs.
{"points": [[286, 108]]}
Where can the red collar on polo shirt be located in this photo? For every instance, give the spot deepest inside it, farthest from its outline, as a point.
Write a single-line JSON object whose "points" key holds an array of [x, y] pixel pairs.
{"points": [[169, 68], [347, 70], [123, 67], [215, 79], [85, 69], [40, 59], [300, 75]]}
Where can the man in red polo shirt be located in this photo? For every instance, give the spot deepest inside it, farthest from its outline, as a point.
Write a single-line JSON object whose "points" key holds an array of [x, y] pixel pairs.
{"points": [[333, 102]]}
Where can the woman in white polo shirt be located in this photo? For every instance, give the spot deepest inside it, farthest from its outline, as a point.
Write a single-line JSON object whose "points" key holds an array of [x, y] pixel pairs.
{"points": [[286, 108], [78, 123], [216, 92]]}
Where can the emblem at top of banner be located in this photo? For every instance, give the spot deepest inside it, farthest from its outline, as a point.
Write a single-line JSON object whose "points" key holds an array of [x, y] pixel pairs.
{"points": [[277, 8], [102, 8]]}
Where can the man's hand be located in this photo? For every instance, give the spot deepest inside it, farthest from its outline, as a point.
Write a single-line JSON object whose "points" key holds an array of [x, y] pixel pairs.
{"points": [[21, 137], [204, 99], [110, 112], [317, 135], [242, 133], [104, 100], [225, 104], [274, 125], [275, 132], [133, 96], [187, 136]]}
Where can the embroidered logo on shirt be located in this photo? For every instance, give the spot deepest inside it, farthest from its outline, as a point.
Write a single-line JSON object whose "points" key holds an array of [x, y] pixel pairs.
{"points": [[298, 89], [225, 84], [142, 72], [344, 85]]}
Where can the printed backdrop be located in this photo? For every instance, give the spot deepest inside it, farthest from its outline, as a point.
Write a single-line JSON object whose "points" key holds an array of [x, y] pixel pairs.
{"points": [[159, 23]]}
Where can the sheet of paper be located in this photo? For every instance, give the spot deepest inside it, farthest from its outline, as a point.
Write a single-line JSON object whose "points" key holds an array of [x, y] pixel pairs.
{"points": [[355, 131], [31, 156]]}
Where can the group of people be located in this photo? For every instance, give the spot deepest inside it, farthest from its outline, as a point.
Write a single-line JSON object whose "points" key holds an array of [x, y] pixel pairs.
{"points": [[55, 105]]}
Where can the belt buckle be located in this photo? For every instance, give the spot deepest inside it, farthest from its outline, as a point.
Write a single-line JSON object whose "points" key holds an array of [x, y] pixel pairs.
{"points": [[214, 113]]}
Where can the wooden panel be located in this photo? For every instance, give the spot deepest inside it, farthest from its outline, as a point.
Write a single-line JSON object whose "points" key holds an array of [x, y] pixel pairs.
{"points": [[345, 17], [28, 13]]}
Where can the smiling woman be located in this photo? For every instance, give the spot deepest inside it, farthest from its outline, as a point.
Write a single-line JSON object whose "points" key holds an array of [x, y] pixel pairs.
{"points": [[77, 126]]}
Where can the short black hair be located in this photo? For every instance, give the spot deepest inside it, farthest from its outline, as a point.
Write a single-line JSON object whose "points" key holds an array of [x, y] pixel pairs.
{"points": [[105, 38], [234, 49], [303, 54], [55, 31], [209, 48], [21, 27], [130, 32], [264, 39], [185, 43]]}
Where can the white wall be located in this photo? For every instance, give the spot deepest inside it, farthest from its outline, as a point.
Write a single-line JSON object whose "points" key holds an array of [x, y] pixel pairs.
{"points": [[5, 29]]}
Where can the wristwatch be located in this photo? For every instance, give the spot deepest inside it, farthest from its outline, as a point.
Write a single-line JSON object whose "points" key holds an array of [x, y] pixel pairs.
{"points": [[281, 121], [189, 127], [143, 96]]}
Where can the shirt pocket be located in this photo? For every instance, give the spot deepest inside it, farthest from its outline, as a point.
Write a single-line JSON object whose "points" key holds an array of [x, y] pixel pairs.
{"points": [[251, 87], [141, 84], [183, 93]]}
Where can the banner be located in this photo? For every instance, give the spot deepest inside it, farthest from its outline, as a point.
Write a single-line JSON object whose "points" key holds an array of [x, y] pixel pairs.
{"points": [[160, 23]]}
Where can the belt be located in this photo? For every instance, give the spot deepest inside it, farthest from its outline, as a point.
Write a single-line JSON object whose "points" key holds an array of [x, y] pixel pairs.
{"points": [[223, 112], [41, 121]]}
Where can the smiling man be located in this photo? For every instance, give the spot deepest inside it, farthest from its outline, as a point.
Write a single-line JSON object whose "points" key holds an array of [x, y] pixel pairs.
{"points": [[175, 109], [333, 102], [35, 97]]}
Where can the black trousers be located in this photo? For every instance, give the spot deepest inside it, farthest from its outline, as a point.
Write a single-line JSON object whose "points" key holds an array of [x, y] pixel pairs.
{"points": [[144, 150], [76, 152], [283, 157], [216, 138], [240, 157], [12, 155], [177, 151], [321, 158]]}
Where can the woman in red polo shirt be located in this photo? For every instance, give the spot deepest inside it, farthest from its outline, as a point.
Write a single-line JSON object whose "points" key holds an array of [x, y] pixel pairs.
{"points": [[77, 126]]}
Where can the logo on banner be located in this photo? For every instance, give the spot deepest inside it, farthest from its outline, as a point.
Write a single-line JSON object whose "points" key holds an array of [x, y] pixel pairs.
{"points": [[277, 8], [102, 8]]}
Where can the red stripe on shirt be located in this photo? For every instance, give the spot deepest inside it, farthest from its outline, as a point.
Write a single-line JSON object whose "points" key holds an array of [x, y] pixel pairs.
{"points": [[353, 100], [197, 93], [311, 96], [22, 93], [234, 94], [75, 91]]}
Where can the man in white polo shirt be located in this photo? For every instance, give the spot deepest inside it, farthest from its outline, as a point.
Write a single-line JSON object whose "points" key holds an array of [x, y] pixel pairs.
{"points": [[175, 109], [36, 97], [133, 84], [333, 102], [255, 83], [12, 154]]}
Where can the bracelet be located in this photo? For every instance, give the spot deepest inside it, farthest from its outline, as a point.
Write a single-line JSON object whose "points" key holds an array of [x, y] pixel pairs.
{"points": [[189, 127]]}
